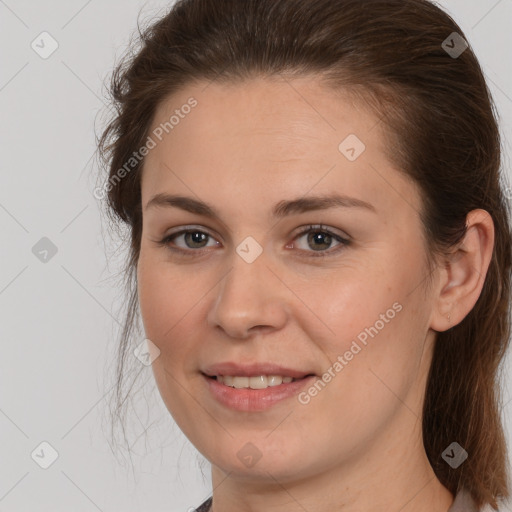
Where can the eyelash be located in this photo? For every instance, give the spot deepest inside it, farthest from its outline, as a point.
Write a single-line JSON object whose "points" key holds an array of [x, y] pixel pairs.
{"points": [[319, 228]]}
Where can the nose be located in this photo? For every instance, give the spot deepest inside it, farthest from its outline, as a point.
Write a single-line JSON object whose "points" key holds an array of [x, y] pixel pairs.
{"points": [[250, 298]]}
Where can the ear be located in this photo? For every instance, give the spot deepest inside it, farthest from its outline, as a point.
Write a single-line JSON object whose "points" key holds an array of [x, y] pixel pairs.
{"points": [[463, 275]]}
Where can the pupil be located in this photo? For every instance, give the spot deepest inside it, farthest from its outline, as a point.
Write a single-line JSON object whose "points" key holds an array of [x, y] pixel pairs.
{"points": [[318, 237], [197, 237]]}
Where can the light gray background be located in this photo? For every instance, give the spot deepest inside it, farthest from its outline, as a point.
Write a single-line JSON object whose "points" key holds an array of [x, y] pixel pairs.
{"points": [[59, 322]]}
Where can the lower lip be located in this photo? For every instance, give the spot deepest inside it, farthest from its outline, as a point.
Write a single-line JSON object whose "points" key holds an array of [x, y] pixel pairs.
{"points": [[246, 399]]}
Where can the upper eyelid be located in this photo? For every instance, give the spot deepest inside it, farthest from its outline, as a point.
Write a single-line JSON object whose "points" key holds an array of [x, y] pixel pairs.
{"points": [[298, 231], [320, 227], [183, 230]]}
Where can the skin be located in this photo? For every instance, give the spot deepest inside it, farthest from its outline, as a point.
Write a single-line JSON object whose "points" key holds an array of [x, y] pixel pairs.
{"points": [[357, 445]]}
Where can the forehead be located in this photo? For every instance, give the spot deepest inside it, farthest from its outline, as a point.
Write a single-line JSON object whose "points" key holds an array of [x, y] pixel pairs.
{"points": [[266, 138], [300, 112]]}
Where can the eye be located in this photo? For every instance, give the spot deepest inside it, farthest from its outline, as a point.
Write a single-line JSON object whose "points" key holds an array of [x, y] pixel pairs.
{"points": [[319, 238], [193, 238]]}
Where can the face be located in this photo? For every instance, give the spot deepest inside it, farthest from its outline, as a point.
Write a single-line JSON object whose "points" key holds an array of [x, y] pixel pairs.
{"points": [[256, 287]]}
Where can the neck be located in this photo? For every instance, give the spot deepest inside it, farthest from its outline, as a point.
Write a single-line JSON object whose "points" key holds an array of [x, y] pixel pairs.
{"points": [[388, 476]]}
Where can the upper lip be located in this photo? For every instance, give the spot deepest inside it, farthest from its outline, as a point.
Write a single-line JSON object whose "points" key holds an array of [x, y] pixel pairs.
{"points": [[253, 370]]}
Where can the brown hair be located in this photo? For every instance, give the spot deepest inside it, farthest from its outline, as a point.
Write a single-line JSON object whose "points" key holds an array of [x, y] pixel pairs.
{"points": [[442, 132]]}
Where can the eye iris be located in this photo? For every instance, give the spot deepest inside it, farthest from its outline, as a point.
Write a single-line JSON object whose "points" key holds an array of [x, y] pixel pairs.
{"points": [[200, 237], [318, 236]]}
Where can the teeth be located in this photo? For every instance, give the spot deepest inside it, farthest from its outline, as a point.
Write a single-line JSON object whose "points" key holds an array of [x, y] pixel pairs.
{"points": [[259, 382]]}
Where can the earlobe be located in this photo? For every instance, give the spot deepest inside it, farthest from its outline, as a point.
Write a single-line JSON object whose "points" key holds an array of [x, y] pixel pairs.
{"points": [[464, 272]]}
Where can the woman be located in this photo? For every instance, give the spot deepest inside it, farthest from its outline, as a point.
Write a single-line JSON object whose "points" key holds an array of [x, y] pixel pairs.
{"points": [[321, 249]]}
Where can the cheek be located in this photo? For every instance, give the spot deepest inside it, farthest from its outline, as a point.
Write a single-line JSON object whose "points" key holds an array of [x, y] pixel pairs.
{"points": [[174, 301], [166, 295], [169, 300], [373, 331], [353, 308]]}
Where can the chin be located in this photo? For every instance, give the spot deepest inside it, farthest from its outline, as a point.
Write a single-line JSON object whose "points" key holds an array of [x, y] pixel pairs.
{"points": [[261, 460]]}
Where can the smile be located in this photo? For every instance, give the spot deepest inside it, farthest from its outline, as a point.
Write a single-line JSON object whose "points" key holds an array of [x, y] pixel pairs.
{"points": [[255, 393], [258, 382]]}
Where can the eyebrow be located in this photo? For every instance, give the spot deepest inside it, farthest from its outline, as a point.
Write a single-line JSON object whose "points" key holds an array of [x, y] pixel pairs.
{"points": [[281, 209]]}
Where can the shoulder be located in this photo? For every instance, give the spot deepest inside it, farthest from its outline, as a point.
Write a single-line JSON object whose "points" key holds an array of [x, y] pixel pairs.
{"points": [[205, 506], [464, 503]]}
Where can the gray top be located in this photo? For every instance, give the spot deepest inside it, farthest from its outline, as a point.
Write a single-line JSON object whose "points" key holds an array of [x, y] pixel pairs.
{"points": [[463, 503]]}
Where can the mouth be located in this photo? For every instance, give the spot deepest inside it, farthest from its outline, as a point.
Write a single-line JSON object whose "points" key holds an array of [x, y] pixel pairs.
{"points": [[256, 392], [255, 382]]}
